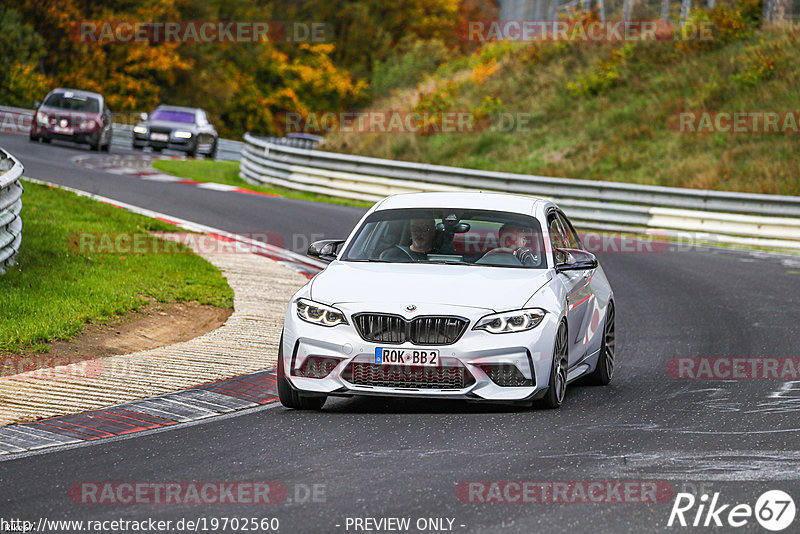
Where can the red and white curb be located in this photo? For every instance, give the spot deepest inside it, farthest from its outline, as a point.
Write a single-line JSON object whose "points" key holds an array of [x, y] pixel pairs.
{"points": [[199, 402], [140, 167], [192, 404]]}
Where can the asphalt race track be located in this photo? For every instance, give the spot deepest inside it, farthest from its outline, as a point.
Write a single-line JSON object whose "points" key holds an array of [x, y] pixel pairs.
{"points": [[406, 459]]}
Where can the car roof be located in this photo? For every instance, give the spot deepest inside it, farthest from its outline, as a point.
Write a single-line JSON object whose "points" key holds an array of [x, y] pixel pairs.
{"points": [[177, 108], [77, 92], [463, 199]]}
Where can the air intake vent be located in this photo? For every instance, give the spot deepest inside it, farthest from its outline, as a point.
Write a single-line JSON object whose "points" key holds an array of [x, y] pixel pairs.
{"points": [[405, 376]]}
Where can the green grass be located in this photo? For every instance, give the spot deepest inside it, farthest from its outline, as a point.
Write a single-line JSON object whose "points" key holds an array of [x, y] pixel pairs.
{"points": [[54, 291], [615, 129], [227, 172]]}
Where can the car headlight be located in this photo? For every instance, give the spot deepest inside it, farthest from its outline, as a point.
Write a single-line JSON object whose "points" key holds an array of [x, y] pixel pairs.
{"points": [[512, 321], [316, 313], [42, 118], [88, 124], [182, 134], [140, 129]]}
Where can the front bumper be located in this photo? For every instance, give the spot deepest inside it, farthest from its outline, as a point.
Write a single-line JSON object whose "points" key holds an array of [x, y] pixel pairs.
{"points": [[461, 376], [173, 143], [75, 135]]}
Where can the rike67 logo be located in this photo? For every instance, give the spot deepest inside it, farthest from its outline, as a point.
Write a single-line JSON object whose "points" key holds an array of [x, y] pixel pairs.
{"points": [[774, 510]]}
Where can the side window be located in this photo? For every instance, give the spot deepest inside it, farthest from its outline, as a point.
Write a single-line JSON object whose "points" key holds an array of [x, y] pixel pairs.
{"points": [[557, 237], [569, 232]]}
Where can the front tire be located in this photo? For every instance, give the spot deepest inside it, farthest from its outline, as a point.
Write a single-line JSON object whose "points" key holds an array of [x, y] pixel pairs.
{"points": [[288, 396], [558, 371], [604, 371]]}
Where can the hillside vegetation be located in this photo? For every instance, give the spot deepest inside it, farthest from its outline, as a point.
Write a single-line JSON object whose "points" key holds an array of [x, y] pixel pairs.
{"points": [[608, 111], [318, 54]]}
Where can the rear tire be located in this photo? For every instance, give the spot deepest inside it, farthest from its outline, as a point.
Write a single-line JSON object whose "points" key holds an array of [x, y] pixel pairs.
{"points": [[34, 138], [288, 396], [604, 371], [558, 372]]}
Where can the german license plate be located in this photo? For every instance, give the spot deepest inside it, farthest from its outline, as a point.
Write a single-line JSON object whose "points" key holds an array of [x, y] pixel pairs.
{"points": [[62, 130], [159, 137], [423, 357]]}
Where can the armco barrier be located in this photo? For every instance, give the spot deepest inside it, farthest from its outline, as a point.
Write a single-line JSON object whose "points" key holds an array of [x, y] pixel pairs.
{"points": [[10, 208], [700, 215], [18, 120]]}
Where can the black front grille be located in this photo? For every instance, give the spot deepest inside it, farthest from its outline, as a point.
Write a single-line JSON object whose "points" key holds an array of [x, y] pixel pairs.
{"points": [[408, 376], [385, 328]]}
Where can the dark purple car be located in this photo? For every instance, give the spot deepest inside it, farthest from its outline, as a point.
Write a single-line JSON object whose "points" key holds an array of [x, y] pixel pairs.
{"points": [[176, 128]]}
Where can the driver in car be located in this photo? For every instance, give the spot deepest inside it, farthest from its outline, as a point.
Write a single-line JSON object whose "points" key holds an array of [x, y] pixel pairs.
{"points": [[516, 239], [423, 232]]}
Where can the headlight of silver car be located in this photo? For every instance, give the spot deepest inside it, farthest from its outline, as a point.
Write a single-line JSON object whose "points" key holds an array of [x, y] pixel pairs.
{"points": [[512, 321], [316, 313], [140, 129]]}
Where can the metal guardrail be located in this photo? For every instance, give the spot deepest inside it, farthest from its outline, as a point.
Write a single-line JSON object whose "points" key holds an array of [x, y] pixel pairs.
{"points": [[10, 208], [716, 216], [18, 120]]}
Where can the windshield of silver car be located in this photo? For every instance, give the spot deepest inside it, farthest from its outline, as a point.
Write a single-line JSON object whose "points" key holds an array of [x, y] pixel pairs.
{"points": [[449, 235]]}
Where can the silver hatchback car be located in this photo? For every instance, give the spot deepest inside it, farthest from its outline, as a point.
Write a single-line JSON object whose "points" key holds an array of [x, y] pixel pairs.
{"points": [[463, 295]]}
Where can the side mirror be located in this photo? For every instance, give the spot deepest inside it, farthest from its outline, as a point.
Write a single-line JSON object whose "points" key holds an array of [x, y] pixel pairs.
{"points": [[325, 249], [36, 104], [576, 260], [143, 116]]}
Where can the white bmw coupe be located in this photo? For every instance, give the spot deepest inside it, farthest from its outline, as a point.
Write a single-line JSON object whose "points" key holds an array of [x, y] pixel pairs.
{"points": [[463, 295]]}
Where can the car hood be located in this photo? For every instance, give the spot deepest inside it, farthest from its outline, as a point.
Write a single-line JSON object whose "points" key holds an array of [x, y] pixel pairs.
{"points": [[171, 125], [491, 288]]}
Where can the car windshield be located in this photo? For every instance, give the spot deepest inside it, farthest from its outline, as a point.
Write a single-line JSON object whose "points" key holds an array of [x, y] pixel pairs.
{"points": [[73, 102], [449, 235], [172, 116]]}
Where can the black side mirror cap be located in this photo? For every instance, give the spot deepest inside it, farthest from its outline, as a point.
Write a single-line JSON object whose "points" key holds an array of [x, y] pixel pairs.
{"points": [[325, 249], [576, 260]]}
